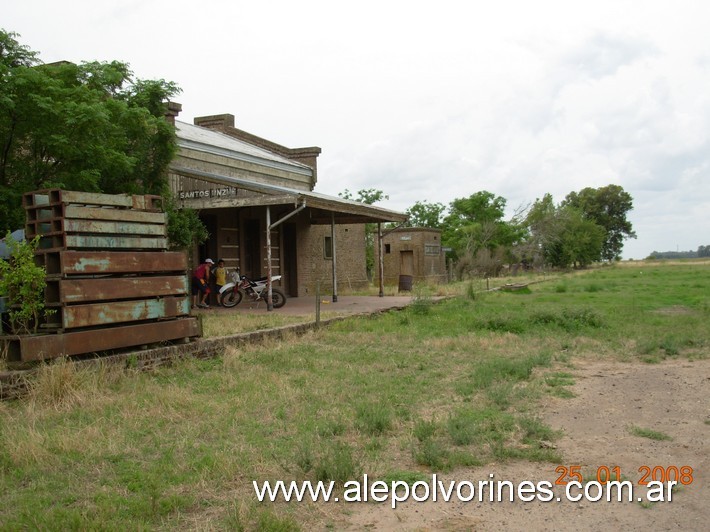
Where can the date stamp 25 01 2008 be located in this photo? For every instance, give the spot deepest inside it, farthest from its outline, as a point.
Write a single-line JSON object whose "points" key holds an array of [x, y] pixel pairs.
{"points": [[680, 474]]}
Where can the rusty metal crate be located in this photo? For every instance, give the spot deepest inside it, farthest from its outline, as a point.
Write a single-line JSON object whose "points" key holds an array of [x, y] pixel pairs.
{"points": [[64, 241], [84, 290], [81, 220], [102, 313], [111, 283], [42, 199], [94, 220], [95, 227], [46, 346], [91, 263]]}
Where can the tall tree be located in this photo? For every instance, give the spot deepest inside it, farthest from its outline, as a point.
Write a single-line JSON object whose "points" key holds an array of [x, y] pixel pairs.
{"points": [[88, 127], [368, 196], [543, 224], [561, 235], [577, 240], [476, 223], [424, 214], [607, 207]]}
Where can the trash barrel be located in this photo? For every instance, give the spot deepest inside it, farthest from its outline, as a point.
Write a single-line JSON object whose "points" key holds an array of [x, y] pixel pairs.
{"points": [[405, 283]]}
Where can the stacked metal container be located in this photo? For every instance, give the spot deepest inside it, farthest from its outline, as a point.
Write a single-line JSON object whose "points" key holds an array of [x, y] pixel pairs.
{"points": [[110, 279]]}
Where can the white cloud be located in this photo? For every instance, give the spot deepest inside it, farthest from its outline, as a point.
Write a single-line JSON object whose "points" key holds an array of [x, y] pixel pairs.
{"points": [[437, 100]]}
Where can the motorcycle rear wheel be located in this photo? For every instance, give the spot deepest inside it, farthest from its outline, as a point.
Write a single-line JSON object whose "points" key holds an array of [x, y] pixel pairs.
{"points": [[278, 298], [231, 298]]}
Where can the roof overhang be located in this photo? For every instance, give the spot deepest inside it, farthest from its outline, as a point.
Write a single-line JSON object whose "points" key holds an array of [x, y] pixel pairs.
{"points": [[323, 209]]}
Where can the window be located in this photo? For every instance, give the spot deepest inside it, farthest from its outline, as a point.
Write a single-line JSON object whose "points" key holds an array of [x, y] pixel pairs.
{"points": [[328, 247], [388, 249], [431, 249]]}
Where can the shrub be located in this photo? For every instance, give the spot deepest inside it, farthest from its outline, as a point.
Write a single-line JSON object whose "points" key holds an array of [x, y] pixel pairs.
{"points": [[23, 283]]}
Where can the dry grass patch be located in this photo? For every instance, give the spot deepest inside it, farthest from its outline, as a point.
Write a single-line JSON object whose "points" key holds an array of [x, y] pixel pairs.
{"points": [[215, 324], [401, 392], [674, 310]]}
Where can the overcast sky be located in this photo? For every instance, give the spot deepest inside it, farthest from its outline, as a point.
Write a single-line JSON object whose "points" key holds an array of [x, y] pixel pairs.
{"points": [[436, 100]]}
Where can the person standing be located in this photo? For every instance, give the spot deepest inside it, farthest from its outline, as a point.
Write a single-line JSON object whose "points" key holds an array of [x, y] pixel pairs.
{"points": [[201, 284], [220, 279]]}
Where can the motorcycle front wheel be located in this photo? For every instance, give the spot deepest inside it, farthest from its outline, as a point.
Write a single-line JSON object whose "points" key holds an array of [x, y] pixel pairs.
{"points": [[278, 298], [231, 298]]}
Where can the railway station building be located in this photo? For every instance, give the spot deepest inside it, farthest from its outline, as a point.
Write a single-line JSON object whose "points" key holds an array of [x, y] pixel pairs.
{"points": [[259, 204]]}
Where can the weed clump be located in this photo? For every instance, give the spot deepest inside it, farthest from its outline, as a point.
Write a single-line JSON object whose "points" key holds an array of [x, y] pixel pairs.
{"points": [[432, 453], [650, 434], [422, 301], [569, 319], [251, 517], [423, 430], [373, 419], [337, 464], [505, 324], [505, 369], [470, 291], [469, 426]]}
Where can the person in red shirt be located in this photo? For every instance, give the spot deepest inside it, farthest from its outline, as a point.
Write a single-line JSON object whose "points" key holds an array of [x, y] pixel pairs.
{"points": [[201, 283]]}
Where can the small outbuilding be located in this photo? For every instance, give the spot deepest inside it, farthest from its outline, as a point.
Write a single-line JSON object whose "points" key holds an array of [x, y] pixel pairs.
{"points": [[413, 254]]}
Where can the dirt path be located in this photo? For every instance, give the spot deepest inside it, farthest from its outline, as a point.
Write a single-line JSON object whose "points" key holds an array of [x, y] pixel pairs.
{"points": [[672, 398]]}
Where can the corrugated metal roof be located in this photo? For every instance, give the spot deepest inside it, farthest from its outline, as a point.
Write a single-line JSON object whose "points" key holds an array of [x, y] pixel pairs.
{"points": [[362, 211], [208, 140]]}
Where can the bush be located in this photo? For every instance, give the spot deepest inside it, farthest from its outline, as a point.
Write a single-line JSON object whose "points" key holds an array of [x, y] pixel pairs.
{"points": [[23, 283]]}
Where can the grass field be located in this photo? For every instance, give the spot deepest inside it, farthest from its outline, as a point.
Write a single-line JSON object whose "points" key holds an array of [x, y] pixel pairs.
{"points": [[433, 388]]}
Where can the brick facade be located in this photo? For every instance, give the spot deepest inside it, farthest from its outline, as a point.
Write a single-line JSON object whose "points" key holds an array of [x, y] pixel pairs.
{"points": [[414, 252], [297, 249], [350, 258], [236, 216]]}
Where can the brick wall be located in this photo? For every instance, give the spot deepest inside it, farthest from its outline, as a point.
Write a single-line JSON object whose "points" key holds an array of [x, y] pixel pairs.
{"points": [[428, 258], [350, 258]]}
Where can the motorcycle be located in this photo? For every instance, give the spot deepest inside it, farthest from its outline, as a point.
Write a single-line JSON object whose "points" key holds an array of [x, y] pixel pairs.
{"points": [[232, 293]]}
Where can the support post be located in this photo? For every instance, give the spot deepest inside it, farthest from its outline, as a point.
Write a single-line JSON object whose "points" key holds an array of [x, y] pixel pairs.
{"points": [[269, 301], [335, 261], [318, 303], [381, 261]]}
